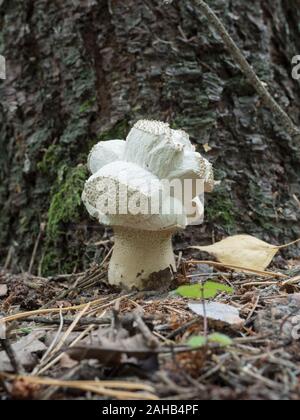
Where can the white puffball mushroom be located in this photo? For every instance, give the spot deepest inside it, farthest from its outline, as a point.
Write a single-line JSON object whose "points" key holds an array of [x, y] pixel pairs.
{"points": [[105, 152], [130, 190]]}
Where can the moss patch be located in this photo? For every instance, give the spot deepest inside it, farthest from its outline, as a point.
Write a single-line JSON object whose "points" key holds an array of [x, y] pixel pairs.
{"points": [[66, 199], [51, 159], [118, 132], [220, 210]]}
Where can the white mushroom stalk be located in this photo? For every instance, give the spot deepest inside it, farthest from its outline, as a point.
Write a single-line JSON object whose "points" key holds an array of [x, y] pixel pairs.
{"points": [[146, 188]]}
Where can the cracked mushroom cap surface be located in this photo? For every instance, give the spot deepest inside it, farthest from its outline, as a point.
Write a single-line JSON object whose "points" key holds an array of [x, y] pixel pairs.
{"points": [[132, 172]]}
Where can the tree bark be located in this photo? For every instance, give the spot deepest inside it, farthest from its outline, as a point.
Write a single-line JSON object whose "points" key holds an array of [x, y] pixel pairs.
{"points": [[83, 71]]}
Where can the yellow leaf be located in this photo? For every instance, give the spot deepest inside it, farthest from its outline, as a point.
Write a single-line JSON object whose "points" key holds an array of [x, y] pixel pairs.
{"points": [[207, 147], [244, 251]]}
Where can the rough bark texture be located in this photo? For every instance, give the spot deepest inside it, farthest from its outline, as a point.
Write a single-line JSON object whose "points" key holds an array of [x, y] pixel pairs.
{"points": [[83, 71]]}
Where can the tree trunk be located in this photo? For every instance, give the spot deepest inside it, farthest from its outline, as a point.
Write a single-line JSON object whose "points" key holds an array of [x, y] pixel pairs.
{"points": [[83, 71]]}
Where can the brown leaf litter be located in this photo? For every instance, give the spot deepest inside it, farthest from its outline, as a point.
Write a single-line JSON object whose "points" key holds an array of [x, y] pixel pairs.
{"points": [[135, 344]]}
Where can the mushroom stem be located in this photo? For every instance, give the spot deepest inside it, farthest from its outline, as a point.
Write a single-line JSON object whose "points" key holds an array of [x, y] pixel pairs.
{"points": [[137, 255]]}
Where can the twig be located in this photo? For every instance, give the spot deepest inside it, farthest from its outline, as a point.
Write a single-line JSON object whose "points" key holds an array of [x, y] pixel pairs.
{"points": [[60, 277], [261, 283], [83, 281], [55, 348], [11, 355], [100, 243], [260, 339], [253, 309], [36, 245], [80, 284], [215, 369], [247, 370], [205, 322], [71, 328], [297, 200], [69, 376], [218, 274], [247, 69], [68, 321], [58, 358], [147, 334], [294, 280], [52, 345], [114, 389], [289, 244], [9, 257], [182, 329], [236, 267], [179, 260], [107, 256], [23, 315]]}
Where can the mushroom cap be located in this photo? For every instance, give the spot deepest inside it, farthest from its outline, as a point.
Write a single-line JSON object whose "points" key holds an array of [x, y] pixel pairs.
{"points": [[115, 192], [105, 152], [134, 172], [167, 153]]}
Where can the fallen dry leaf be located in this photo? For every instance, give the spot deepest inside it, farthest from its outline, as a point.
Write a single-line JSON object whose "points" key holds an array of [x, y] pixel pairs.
{"points": [[244, 251], [110, 351], [3, 290], [25, 350], [66, 362], [218, 312]]}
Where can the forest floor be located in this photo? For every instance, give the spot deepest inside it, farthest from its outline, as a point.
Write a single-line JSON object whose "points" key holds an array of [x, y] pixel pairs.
{"points": [[75, 337]]}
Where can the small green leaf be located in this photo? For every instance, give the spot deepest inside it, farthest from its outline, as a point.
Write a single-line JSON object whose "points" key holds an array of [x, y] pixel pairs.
{"points": [[25, 330], [212, 286], [209, 290], [192, 291], [197, 341], [221, 339]]}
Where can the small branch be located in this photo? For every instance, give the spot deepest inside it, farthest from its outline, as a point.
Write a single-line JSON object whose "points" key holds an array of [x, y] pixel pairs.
{"points": [[46, 395], [205, 321], [82, 322], [9, 257], [247, 69], [147, 334], [182, 328], [68, 321], [85, 282], [11, 355]]}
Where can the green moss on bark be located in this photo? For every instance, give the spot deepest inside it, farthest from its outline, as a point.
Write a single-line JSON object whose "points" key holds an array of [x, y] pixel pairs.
{"points": [[220, 211], [66, 199], [65, 209], [118, 132]]}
